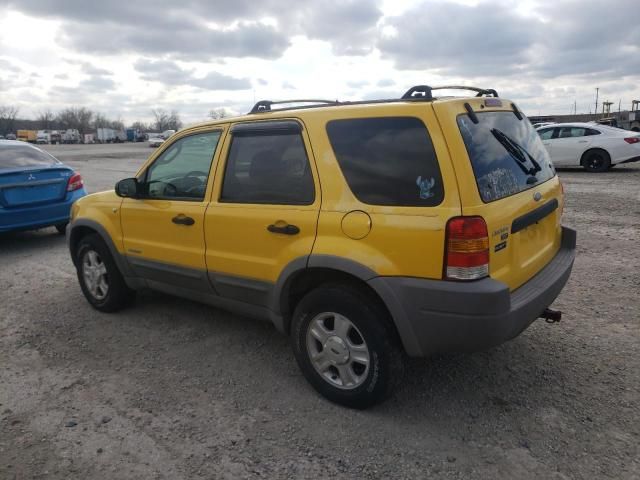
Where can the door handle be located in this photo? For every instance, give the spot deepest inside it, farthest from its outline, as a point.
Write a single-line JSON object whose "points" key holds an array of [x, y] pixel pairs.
{"points": [[183, 220], [583, 141], [284, 229]]}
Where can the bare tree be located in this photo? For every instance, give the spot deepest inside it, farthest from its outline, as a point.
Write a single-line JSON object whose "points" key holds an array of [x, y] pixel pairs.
{"points": [[8, 114], [77, 118], [161, 119], [143, 127], [217, 113], [45, 119], [165, 120], [100, 121]]}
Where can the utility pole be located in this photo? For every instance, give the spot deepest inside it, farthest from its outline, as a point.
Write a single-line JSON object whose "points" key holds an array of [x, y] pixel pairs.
{"points": [[619, 105], [597, 91]]}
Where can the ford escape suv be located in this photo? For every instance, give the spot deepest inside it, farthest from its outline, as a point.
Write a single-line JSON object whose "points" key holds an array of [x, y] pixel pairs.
{"points": [[365, 231]]}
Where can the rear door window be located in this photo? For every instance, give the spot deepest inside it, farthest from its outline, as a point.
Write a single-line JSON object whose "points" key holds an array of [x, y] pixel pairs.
{"points": [[571, 132], [388, 161], [506, 154], [24, 156], [268, 164]]}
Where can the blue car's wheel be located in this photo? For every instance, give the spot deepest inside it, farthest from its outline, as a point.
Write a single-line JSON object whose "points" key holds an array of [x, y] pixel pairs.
{"points": [[99, 277]]}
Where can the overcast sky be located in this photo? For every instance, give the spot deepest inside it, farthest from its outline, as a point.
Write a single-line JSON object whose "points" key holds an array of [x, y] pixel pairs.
{"points": [[125, 57]]}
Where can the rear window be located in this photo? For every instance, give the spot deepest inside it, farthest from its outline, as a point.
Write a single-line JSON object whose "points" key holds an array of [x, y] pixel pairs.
{"points": [[24, 156], [387, 161], [507, 154]]}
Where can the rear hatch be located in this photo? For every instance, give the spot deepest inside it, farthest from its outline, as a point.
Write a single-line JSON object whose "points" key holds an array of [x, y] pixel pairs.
{"points": [[34, 186], [30, 176], [505, 176]]}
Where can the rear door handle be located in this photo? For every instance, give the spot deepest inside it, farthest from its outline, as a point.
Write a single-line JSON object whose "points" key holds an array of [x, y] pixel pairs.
{"points": [[583, 141], [284, 229], [183, 220]]}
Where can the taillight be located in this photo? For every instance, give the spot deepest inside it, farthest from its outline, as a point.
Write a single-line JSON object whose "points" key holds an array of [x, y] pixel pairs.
{"points": [[632, 140], [75, 182], [467, 249]]}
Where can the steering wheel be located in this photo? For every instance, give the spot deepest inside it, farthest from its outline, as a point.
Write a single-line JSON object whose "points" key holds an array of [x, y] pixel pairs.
{"points": [[168, 189]]}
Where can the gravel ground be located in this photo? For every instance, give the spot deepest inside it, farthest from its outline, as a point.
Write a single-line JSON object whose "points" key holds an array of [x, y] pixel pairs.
{"points": [[173, 389]]}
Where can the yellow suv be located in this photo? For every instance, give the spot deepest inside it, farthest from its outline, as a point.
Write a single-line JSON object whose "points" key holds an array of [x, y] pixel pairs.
{"points": [[364, 230]]}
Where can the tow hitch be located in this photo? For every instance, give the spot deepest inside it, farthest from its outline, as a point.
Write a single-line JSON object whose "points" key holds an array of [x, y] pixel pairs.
{"points": [[551, 316]]}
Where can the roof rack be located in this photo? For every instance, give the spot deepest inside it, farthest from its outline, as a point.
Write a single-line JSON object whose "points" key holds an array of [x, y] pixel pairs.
{"points": [[479, 91], [265, 105], [419, 93]]}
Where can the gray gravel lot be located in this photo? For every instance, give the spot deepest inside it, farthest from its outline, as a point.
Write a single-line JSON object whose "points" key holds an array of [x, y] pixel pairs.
{"points": [[177, 390]]}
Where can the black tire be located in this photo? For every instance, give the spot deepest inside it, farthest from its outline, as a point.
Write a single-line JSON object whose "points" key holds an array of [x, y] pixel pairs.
{"points": [[596, 161], [117, 295], [372, 325], [62, 228]]}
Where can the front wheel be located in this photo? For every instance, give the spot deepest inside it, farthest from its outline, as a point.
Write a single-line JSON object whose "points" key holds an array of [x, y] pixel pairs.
{"points": [[346, 346], [101, 281]]}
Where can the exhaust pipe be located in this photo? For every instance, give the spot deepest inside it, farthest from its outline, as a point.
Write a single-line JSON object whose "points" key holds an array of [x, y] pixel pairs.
{"points": [[551, 316]]}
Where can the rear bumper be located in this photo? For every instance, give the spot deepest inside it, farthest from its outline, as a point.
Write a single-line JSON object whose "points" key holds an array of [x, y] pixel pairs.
{"points": [[40, 216], [434, 316]]}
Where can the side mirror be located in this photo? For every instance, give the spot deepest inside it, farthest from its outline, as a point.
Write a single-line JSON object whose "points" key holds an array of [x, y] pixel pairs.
{"points": [[127, 188]]}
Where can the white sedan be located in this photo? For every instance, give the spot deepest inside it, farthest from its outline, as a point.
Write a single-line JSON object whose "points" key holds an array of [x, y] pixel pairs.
{"points": [[155, 142], [594, 147]]}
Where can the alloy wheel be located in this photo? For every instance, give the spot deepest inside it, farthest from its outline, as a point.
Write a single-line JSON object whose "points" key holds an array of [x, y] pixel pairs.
{"points": [[337, 350], [94, 272]]}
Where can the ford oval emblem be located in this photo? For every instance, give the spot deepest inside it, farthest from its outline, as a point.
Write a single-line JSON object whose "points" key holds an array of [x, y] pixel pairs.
{"points": [[537, 196]]}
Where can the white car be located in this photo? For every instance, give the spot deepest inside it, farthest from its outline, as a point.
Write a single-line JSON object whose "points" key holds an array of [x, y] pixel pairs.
{"points": [[594, 147], [155, 142]]}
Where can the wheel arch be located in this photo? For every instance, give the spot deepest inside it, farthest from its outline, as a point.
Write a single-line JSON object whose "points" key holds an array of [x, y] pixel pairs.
{"points": [[303, 275], [83, 227]]}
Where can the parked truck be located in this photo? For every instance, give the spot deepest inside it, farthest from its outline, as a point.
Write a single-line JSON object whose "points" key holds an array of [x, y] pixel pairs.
{"points": [[43, 137], [71, 135], [27, 135], [55, 137]]}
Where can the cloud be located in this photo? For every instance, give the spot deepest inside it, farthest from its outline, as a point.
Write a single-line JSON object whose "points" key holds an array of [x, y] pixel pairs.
{"points": [[170, 73], [7, 66], [385, 82], [88, 67], [491, 39], [357, 83], [349, 25], [97, 83], [458, 39], [205, 30]]}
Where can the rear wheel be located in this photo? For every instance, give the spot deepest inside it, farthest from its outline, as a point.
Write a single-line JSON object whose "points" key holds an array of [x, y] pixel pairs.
{"points": [[596, 161], [346, 346], [99, 277]]}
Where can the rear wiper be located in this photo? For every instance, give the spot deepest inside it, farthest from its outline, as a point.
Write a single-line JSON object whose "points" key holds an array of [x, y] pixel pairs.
{"points": [[518, 153]]}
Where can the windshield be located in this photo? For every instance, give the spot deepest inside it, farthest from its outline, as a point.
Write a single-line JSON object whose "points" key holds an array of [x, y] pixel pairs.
{"points": [[507, 154], [24, 156]]}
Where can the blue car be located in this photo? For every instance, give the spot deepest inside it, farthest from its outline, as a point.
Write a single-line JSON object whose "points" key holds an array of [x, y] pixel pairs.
{"points": [[36, 190]]}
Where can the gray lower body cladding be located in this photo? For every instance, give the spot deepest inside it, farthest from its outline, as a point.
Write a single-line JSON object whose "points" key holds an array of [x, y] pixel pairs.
{"points": [[434, 316]]}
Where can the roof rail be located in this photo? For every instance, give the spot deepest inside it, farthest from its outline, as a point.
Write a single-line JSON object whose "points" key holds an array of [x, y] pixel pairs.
{"points": [[265, 105], [418, 93], [479, 91]]}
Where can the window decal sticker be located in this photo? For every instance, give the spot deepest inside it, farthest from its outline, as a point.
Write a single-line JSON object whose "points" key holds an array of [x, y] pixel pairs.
{"points": [[425, 187]]}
